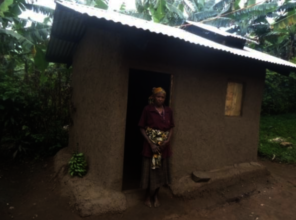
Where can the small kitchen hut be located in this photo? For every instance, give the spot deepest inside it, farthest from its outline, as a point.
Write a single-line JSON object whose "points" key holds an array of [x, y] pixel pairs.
{"points": [[214, 86]]}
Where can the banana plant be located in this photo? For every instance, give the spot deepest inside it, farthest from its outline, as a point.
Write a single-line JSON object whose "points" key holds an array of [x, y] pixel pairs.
{"points": [[279, 37], [4, 7], [20, 41]]}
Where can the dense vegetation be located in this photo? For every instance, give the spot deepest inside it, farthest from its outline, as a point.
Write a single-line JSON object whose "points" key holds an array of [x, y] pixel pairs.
{"points": [[34, 95], [279, 95], [33, 111]]}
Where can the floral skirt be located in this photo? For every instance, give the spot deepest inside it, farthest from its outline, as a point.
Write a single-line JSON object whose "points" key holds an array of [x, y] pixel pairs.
{"points": [[156, 178]]}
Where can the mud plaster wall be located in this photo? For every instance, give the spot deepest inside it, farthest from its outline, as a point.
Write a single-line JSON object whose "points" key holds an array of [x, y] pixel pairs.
{"points": [[204, 138], [100, 83]]}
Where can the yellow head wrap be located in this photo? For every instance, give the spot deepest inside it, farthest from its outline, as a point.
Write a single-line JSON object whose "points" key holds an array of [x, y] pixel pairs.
{"points": [[158, 90], [154, 92]]}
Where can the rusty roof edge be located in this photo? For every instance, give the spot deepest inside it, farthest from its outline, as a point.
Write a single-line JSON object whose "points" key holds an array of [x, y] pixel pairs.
{"points": [[171, 32]]}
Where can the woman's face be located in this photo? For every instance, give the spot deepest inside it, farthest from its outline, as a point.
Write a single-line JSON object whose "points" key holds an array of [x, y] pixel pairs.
{"points": [[159, 98]]}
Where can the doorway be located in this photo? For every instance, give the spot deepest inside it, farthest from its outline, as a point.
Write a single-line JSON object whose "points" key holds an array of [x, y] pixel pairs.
{"points": [[140, 88]]}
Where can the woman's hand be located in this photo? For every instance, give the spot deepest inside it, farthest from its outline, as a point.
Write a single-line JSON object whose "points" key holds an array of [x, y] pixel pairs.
{"points": [[154, 148], [164, 144]]}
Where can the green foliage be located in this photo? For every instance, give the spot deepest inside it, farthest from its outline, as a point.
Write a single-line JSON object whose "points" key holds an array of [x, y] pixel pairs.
{"points": [[285, 22], [160, 11], [40, 9], [250, 3], [78, 165], [40, 60], [202, 15], [279, 94], [280, 43], [34, 96], [103, 4], [254, 11], [33, 111], [4, 7], [277, 38], [122, 7], [236, 5], [221, 22], [283, 126]]}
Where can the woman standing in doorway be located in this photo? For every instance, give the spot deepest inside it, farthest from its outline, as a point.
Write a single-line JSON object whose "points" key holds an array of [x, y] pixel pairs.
{"points": [[156, 125]]}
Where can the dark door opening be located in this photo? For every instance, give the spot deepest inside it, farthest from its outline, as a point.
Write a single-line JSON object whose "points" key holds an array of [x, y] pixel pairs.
{"points": [[140, 88]]}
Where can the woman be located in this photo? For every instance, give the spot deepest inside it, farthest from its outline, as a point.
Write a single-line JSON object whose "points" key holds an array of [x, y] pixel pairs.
{"points": [[156, 125]]}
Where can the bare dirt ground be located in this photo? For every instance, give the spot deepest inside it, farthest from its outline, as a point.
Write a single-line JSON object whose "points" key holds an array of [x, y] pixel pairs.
{"points": [[29, 190]]}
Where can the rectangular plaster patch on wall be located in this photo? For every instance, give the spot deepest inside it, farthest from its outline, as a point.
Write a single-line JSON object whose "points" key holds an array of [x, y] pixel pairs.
{"points": [[234, 95]]}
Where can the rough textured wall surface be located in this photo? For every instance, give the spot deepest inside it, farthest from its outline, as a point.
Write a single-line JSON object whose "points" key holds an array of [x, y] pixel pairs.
{"points": [[100, 86], [204, 137]]}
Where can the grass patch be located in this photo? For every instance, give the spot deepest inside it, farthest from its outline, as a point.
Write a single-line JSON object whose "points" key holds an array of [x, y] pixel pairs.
{"points": [[283, 126]]}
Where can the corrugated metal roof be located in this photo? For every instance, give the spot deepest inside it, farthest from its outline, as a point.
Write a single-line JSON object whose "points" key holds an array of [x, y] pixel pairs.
{"points": [[60, 51], [64, 22], [219, 31]]}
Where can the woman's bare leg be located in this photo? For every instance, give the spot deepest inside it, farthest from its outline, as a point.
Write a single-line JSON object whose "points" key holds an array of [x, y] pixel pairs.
{"points": [[148, 198], [155, 196]]}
